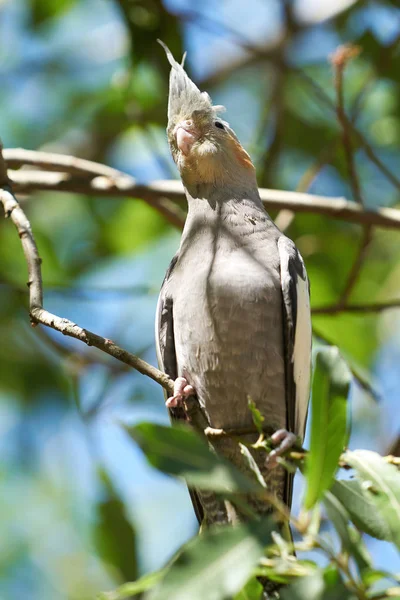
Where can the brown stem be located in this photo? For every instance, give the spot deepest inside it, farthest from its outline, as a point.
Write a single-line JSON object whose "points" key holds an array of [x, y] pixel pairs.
{"points": [[356, 267], [161, 195], [339, 60], [38, 314]]}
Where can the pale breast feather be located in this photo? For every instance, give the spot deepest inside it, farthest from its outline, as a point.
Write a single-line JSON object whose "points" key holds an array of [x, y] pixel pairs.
{"points": [[297, 326]]}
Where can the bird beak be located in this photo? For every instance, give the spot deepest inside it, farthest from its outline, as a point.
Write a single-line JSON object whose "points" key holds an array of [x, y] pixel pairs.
{"points": [[186, 135]]}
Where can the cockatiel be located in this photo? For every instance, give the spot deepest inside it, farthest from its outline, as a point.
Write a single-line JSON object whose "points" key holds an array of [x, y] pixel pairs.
{"points": [[233, 317]]}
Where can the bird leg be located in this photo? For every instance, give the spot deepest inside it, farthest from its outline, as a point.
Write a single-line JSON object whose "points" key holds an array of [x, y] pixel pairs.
{"points": [[182, 390], [284, 441]]}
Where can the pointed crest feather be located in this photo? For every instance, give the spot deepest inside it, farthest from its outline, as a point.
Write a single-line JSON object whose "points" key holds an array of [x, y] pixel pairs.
{"points": [[184, 95]]}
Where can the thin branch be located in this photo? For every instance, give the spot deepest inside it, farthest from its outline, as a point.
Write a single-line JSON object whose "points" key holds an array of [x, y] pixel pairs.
{"points": [[52, 161], [323, 96], [87, 177], [339, 59], [330, 148], [394, 448], [161, 195], [38, 314], [256, 54], [87, 293], [335, 309], [356, 267], [359, 377]]}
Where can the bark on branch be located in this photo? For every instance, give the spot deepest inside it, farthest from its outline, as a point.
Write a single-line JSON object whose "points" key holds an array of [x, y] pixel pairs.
{"points": [[85, 177], [38, 314]]}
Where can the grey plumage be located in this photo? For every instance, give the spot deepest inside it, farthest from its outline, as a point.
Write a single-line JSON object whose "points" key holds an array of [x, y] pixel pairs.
{"points": [[233, 315]]}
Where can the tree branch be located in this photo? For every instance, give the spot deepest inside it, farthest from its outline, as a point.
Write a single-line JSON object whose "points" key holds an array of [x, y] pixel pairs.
{"points": [[52, 161], [163, 194], [38, 314], [81, 176], [339, 60], [356, 267], [335, 309]]}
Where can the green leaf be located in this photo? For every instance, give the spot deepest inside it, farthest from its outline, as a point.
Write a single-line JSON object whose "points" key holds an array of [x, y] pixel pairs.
{"points": [[390, 592], [283, 569], [361, 508], [330, 388], [133, 216], [114, 535], [350, 538], [215, 564], [252, 464], [251, 591], [258, 419], [371, 576], [181, 452], [381, 485], [127, 590], [322, 585], [42, 11]]}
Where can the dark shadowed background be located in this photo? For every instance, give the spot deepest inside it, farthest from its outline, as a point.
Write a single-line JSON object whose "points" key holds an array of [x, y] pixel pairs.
{"points": [[81, 510]]}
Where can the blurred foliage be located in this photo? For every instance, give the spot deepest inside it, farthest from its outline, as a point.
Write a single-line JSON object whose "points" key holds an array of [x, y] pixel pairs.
{"points": [[222, 559], [86, 77]]}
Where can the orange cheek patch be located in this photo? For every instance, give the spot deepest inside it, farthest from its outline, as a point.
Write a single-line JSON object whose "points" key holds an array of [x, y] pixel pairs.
{"points": [[242, 155]]}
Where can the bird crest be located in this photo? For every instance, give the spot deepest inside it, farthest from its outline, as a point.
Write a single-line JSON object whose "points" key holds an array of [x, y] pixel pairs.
{"points": [[184, 96]]}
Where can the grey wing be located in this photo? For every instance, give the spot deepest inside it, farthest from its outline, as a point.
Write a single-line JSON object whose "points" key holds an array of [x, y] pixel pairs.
{"points": [[297, 337], [166, 356]]}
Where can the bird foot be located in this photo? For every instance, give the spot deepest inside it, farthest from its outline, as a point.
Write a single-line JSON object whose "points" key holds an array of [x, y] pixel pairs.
{"points": [[284, 440], [182, 390]]}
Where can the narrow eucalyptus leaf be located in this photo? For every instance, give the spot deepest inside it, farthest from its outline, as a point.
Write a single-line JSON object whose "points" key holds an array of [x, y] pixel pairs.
{"points": [[128, 590], [252, 464], [361, 508], [251, 591], [216, 564], [258, 418], [329, 433], [181, 452], [380, 482], [322, 585], [350, 538]]}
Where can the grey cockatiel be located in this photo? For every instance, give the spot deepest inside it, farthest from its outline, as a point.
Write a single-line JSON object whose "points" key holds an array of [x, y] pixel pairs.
{"points": [[233, 318]]}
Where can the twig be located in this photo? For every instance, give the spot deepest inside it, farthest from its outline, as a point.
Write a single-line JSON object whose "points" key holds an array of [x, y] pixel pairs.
{"points": [[85, 293], [311, 173], [212, 433], [356, 267], [255, 54], [394, 448], [161, 193], [339, 60], [359, 377], [323, 96], [335, 309], [52, 161], [86, 176], [39, 315]]}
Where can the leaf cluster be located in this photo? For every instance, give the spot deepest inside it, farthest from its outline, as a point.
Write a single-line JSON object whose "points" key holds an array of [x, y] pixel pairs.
{"points": [[334, 517]]}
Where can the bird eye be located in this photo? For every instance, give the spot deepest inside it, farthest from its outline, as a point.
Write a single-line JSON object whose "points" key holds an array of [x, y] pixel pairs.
{"points": [[219, 125]]}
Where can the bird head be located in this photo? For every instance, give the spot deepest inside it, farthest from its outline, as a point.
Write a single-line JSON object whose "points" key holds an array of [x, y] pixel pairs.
{"points": [[204, 147]]}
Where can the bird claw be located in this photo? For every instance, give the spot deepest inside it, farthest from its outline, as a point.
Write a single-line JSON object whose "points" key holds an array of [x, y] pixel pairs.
{"points": [[284, 440], [182, 390]]}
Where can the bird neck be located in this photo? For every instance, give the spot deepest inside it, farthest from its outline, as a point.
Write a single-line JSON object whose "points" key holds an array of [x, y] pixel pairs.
{"points": [[219, 198], [213, 209]]}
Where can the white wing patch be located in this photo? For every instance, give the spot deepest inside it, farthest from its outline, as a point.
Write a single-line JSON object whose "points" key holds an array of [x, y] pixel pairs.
{"points": [[302, 355], [297, 306], [158, 332]]}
